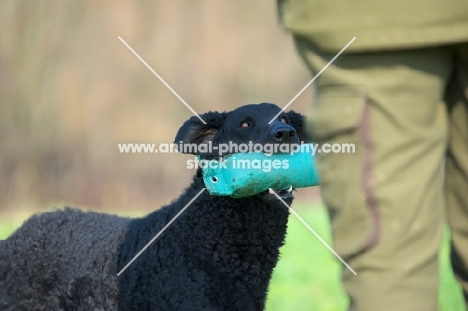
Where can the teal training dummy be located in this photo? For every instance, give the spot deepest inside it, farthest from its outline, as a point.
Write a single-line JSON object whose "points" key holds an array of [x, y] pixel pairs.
{"points": [[245, 174]]}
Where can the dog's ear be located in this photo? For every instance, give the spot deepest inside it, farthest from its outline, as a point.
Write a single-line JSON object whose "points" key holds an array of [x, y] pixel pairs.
{"points": [[298, 121], [194, 131]]}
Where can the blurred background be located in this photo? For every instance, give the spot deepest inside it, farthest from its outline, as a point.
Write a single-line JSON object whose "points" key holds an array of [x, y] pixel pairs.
{"points": [[70, 91]]}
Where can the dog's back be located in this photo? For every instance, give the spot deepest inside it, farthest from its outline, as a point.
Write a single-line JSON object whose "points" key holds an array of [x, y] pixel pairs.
{"points": [[52, 254]]}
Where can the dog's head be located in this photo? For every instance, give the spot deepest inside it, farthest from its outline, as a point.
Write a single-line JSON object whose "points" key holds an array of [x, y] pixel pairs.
{"points": [[248, 126]]}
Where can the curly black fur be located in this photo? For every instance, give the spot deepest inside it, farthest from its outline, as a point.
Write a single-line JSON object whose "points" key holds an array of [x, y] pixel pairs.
{"points": [[64, 260], [218, 255]]}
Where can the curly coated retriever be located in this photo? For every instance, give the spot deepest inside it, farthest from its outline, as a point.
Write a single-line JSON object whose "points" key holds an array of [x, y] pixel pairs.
{"points": [[218, 255]]}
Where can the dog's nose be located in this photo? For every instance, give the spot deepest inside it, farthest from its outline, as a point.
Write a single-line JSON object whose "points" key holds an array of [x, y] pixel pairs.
{"points": [[283, 133]]}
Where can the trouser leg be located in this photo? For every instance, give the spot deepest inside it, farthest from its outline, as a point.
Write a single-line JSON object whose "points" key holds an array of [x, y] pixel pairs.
{"points": [[385, 200]]}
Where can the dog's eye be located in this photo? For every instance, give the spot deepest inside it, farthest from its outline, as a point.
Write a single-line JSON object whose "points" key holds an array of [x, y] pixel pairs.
{"points": [[283, 120], [245, 124]]}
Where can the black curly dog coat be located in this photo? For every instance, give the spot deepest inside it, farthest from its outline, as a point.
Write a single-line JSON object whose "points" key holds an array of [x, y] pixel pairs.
{"points": [[218, 255]]}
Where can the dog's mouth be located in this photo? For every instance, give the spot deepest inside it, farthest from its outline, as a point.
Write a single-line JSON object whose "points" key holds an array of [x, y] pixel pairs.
{"points": [[284, 194]]}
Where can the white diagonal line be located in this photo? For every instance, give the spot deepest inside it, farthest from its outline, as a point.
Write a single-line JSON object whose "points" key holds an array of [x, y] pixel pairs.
{"points": [[162, 80], [312, 230], [313, 79], [160, 232]]}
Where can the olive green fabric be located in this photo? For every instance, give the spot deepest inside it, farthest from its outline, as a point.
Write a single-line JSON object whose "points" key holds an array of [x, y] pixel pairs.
{"points": [[386, 201], [378, 25]]}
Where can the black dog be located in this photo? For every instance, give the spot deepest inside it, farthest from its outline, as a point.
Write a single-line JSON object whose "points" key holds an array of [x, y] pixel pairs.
{"points": [[218, 255]]}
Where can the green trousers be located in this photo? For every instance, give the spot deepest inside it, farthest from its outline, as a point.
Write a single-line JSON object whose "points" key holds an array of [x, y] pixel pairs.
{"points": [[407, 114]]}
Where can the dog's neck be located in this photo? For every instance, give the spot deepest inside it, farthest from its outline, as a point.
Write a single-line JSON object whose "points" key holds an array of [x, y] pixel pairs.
{"points": [[252, 231], [238, 240]]}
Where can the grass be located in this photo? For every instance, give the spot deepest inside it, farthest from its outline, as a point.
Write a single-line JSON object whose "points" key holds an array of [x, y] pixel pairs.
{"points": [[307, 276]]}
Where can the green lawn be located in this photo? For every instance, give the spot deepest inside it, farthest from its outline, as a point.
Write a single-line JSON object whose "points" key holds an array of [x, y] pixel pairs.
{"points": [[307, 276]]}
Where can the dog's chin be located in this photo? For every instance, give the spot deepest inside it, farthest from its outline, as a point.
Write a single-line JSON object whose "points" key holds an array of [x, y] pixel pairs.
{"points": [[277, 197]]}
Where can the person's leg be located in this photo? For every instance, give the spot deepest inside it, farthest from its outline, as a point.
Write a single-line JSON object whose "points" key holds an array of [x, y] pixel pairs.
{"points": [[386, 200], [457, 167]]}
